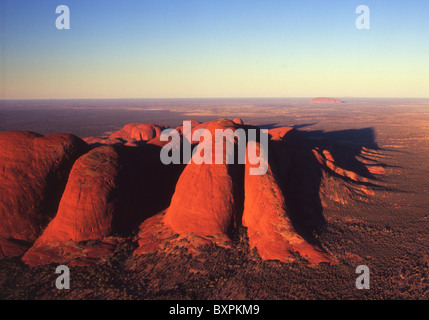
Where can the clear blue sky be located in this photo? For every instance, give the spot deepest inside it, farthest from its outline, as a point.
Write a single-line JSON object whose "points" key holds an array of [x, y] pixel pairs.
{"points": [[213, 48]]}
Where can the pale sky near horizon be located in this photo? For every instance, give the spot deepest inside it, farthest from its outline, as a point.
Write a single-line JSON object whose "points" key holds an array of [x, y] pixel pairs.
{"points": [[213, 48]]}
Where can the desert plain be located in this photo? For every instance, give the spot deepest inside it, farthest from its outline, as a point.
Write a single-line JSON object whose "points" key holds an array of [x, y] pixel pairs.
{"points": [[371, 206]]}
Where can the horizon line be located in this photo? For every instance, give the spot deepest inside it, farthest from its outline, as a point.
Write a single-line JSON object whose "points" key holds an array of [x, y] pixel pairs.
{"points": [[210, 98]]}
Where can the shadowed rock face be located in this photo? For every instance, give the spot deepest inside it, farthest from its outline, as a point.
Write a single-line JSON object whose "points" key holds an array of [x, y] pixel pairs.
{"points": [[95, 142], [270, 228], [12, 248], [299, 176], [33, 173], [326, 101]]}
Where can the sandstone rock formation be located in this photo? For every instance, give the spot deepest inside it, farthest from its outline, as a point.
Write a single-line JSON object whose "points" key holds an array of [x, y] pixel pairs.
{"points": [[91, 201], [206, 200], [12, 248], [95, 142], [238, 121], [270, 229], [194, 124], [211, 201], [110, 191], [326, 101], [33, 173], [139, 131]]}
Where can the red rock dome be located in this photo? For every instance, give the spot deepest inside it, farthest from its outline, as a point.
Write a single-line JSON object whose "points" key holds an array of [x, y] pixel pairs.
{"points": [[33, 173], [139, 131], [326, 101], [205, 199]]}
